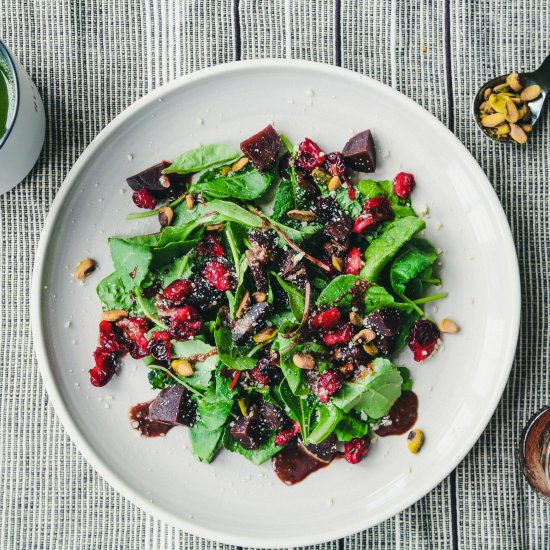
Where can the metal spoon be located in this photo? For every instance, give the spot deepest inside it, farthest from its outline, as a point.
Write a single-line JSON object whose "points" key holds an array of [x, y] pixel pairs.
{"points": [[541, 77]]}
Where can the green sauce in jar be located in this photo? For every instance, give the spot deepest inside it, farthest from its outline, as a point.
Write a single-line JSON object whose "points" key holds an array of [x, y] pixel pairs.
{"points": [[6, 96]]}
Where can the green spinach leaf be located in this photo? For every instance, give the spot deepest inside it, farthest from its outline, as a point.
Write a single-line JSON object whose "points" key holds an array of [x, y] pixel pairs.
{"points": [[201, 158], [131, 260], [374, 394], [350, 427], [246, 184], [203, 370], [228, 351], [114, 294], [267, 449], [299, 407], [382, 249], [327, 418], [337, 291], [377, 297], [295, 297]]}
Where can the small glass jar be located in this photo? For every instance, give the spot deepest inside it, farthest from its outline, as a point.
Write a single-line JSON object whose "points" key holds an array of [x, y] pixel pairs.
{"points": [[22, 119], [534, 453]]}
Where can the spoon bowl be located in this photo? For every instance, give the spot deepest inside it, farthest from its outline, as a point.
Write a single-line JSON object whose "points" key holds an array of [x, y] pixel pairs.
{"points": [[541, 77]]}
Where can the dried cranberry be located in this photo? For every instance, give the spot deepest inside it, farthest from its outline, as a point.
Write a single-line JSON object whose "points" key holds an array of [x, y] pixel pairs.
{"points": [[329, 383], [159, 346], [403, 184], [356, 449], [353, 262], [423, 339], [144, 199], [282, 438], [178, 290], [218, 276], [210, 246], [342, 334], [109, 339], [334, 163], [134, 330], [376, 210], [326, 319], [310, 155], [99, 377], [265, 372], [104, 359]]}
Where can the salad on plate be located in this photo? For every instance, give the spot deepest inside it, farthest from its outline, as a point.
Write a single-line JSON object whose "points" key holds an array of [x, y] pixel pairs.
{"points": [[268, 308]]}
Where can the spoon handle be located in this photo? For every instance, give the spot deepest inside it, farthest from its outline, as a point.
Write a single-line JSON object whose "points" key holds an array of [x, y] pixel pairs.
{"points": [[542, 75]]}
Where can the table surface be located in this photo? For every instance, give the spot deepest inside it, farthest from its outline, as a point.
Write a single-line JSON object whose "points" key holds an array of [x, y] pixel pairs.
{"points": [[92, 58]]}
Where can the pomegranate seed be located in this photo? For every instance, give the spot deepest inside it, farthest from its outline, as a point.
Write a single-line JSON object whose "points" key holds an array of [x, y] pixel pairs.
{"points": [[218, 276], [310, 155], [159, 346], [178, 290], [99, 377], [423, 339], [326, 319], [334, 163], [265, 372], [403, 184], [282, 438], [356, 449], [363, 222], [342, 334], [134, 330], [353, 262], [109, 339], [210, 246], [143, 199], [329, 383]]}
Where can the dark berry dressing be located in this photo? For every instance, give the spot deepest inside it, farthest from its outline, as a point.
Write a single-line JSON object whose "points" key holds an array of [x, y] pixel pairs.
{"points": [[139, 418], [293, 464], [402, 416]]}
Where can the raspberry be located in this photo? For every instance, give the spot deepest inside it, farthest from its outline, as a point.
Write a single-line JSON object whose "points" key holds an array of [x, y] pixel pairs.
{"points": [[403, 184], [353, 262], [265, 372], [326, 319], [210, 246], [159, 346], [143, 199], [178, 290], [423, 339], [356, 449], [343, 333], [334, 163], [218, 276], [329, 383], [284, 437], [376, 210], [310, 155]]}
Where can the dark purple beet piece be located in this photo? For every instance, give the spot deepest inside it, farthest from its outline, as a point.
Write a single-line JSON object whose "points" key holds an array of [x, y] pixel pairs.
{"points": [[337, 222], [359, 152], [246, 431], [325, 450], [159, 184], [273, 417], [262, 148], [173, 405], [385, 321]]}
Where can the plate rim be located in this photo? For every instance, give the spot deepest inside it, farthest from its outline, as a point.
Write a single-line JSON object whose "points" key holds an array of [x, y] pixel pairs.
{"points": [[74, 431]]}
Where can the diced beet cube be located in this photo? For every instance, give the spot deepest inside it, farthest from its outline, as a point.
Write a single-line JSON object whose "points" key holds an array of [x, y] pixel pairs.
{"points": [[173, 405], [359, 152], [273, 416], [246, 430], [262, 148], [160, 185]]}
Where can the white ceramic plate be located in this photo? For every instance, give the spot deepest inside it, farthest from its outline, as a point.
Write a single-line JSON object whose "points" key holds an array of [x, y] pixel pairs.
{"points": [[232, 500]]}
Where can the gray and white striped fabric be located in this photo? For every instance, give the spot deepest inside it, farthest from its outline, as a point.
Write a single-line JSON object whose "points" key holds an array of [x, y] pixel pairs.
{"points": [[92, 58]]}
